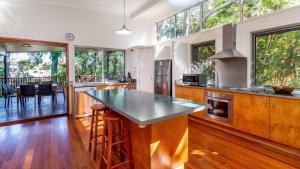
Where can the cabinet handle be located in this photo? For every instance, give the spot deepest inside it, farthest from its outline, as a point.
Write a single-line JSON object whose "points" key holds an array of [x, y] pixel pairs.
{"points": [[266, 103], [273, 105]]}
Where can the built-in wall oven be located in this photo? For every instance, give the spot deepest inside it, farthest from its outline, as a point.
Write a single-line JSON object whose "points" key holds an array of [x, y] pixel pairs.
{"points": [[220, 106]]}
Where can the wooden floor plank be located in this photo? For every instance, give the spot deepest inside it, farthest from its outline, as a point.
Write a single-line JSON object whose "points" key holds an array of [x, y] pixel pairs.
{"points": [[61, 143]]}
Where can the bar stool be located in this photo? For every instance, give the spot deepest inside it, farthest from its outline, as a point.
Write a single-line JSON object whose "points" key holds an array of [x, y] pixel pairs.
{"points": [[115, 140], [97, 112]]}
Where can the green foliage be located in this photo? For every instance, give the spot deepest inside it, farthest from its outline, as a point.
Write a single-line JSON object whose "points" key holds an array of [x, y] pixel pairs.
{"points": [[215, 13], [89, 64], [259, 7], [202, 62], [167, 28], [115, 65], [1, 65], [278, 59], [35, 58], [25, 65], [58, 63], [85, 62], [193, 20], [180, 24], [228, 14]]}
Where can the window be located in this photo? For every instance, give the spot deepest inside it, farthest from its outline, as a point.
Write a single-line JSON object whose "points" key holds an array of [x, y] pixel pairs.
{"points": [[252, 8], [114, 66], [97, 64], [219, 12], [211, 13], [201, 62], [88, 64], [193, 21], [277, 57], [2, 55], [166, 28], [180, 24]]}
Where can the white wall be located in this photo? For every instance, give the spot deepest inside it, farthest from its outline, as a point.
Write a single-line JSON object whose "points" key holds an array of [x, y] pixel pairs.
{"points": [[244, 30], [140, 64], [50, 23]]}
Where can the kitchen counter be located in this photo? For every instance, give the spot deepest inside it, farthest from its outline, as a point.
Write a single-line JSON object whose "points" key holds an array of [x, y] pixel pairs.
{"points": [[254, 91], [158, 125], [144, 108]]}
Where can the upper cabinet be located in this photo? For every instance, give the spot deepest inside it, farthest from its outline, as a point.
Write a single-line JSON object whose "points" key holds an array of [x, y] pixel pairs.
{"points": [[285, 121], [251, 114]]}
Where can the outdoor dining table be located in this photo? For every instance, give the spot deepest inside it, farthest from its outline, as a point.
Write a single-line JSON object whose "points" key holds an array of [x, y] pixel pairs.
{"points": [[18, 91]]}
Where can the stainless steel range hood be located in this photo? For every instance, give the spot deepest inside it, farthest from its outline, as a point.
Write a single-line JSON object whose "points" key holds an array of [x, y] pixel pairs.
{"points": [[229, 44]]}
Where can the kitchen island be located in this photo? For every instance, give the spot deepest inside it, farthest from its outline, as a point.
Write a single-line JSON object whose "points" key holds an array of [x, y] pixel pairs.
{"points": [[158, 125]]}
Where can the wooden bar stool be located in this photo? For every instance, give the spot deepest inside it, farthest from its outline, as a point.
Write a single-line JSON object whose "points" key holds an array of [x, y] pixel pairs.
{"points": [[115, 137], [97, 112]]}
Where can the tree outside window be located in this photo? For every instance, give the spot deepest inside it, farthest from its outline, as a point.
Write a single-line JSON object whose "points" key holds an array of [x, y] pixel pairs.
{"points": [[98, 64], [201, 62], [277, 57], [211, 13]]}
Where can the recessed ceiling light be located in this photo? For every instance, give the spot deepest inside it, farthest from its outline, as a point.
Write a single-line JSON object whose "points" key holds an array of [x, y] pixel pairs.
{"points": [[182, 3]]}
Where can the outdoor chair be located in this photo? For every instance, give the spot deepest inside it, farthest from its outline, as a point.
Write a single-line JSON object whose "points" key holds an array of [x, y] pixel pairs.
{"points": [[8, 93], [27, 91], [45, 90]]}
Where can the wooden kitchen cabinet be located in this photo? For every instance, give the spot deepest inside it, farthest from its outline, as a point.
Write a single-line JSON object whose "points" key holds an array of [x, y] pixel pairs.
{"points": [[251, 114], [198, 96], [191, 93], [285, 121], [116, 86]]}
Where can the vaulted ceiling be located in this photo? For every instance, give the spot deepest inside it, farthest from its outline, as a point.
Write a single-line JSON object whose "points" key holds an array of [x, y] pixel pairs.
{"points": [[134, 8], [113, 6]]}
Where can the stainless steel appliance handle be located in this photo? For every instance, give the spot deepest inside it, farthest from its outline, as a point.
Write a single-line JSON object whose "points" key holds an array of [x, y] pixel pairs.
{"points": [[217, 99]]}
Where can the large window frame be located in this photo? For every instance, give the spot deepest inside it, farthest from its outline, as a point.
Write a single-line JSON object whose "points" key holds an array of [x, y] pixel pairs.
{"points": [[205, 13], [105, 66], [254, 35], [201, 45]]}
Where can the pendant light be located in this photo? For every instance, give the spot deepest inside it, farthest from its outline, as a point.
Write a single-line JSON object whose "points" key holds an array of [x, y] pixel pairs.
{"points": [[182, 3], [124, 30]]}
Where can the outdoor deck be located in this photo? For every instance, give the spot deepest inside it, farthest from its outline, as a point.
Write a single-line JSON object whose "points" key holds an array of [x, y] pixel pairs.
{"points": [[32, 110]]}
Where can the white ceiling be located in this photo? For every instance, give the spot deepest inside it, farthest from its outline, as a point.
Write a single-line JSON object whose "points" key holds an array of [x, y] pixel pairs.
{"points": [[110, 6]]}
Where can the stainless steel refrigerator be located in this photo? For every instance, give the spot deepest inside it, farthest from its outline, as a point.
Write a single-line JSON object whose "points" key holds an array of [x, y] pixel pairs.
{"points": [[163, 77]]}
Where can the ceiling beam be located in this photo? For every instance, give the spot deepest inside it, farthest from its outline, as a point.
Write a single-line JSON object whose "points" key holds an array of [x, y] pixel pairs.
{"points": [[144, 8]]}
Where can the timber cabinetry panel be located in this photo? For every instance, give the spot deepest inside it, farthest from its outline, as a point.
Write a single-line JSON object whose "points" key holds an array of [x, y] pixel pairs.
{"points": [[179, 92], [198, 96], [251, 114], [285, 121], [190, 93], [116, 86]]}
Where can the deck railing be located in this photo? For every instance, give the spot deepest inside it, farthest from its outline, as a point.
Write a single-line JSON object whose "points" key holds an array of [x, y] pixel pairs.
{"points": [[14, 82]]}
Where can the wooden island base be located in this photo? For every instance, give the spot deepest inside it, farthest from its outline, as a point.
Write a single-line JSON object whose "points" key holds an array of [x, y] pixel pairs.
{"points": [[162, 145]]}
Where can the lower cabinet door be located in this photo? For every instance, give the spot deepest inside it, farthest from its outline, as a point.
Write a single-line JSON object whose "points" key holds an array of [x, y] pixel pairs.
{"points": [[285, 121], [251, 114]]}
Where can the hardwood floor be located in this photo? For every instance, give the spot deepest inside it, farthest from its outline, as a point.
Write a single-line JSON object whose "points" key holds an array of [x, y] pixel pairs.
{"points": [[32, 110], [46, 144], [61, 143]]}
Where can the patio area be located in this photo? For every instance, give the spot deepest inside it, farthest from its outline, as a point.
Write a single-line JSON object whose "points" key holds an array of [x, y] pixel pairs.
{"points": [[32, 110], [32, 77]]}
